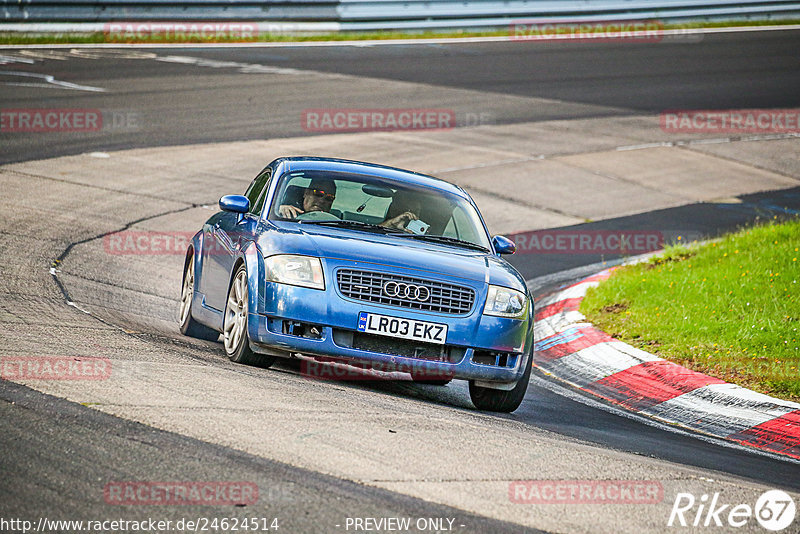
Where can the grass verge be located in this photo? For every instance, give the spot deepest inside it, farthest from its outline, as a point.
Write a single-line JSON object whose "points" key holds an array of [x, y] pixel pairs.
{"points": [[21, 38], [190, 38], [730, 308]]}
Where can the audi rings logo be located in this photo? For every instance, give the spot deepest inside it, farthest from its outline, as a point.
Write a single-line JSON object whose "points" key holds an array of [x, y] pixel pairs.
{"points": [[406, 291]]}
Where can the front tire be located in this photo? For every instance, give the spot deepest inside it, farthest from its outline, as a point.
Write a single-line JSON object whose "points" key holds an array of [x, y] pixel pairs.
{"points": [[234, 329], [499, 400], [190, 327]]}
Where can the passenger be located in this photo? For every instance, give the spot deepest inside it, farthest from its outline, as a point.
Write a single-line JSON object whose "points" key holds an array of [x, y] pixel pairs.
{"points": [[405, 207]]}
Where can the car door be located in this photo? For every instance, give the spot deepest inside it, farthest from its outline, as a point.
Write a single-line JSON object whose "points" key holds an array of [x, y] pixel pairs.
{"points": [[226, 235]]}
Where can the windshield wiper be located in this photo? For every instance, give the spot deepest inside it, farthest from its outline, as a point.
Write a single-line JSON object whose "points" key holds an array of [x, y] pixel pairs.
{"points": [[446, 240], [358, 225]]}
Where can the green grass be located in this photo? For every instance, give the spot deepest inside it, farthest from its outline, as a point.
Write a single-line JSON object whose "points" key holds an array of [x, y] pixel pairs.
{"points": [[729, 308], [100, 37], [14, 38]]}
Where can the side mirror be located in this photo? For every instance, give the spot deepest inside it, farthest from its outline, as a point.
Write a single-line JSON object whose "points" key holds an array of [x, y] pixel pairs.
{"points": [[503, 245], [234, 203]]}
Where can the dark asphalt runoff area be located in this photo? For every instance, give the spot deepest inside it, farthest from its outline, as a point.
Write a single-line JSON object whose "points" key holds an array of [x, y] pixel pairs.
{"points": [[174, 104], [705, 220], [58, 452]]}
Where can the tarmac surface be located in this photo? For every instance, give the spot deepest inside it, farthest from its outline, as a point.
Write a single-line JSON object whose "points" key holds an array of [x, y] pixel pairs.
{"points": [[175, 409]]}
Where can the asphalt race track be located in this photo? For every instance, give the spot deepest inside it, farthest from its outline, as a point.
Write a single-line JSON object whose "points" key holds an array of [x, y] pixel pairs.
{"points": [[182, 126]]}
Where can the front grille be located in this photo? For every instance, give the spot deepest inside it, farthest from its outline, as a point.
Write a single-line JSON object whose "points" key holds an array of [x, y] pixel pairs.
{"points": [[441, 297]]}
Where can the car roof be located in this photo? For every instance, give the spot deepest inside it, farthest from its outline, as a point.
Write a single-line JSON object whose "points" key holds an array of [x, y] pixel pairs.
{"points": [[297, 163]]}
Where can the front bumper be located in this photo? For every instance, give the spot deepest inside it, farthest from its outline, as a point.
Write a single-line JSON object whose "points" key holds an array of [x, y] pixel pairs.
{"points": [[479, 347]]}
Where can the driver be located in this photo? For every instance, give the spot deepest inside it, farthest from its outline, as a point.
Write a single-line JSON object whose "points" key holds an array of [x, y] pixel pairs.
{"points": [[318, 196]]}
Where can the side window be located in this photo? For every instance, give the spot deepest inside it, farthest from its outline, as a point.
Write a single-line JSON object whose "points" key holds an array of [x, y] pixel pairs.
{"points": [[261, 198], [257, 191]]}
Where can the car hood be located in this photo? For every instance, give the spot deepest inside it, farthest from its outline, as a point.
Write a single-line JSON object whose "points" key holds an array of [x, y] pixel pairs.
{"points": [[399, 252]]}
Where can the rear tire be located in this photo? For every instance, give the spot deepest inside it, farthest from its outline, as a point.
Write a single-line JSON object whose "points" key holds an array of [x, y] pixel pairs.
{"points": [[500, 400], [234, 329], [190, 327]]}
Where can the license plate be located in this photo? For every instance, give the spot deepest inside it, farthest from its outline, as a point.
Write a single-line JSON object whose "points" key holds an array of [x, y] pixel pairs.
{"points": [[384, 325]]}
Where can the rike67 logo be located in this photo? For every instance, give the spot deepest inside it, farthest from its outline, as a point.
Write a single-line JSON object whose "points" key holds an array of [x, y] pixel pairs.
{"points": [[774, 510]]}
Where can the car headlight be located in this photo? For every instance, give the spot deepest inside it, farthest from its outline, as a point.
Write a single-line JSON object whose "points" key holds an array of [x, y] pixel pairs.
{"points": [[505, 302], [302, 271]]}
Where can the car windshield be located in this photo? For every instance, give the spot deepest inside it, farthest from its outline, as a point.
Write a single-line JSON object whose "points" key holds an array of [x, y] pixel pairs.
{"points": [[369, 203]]}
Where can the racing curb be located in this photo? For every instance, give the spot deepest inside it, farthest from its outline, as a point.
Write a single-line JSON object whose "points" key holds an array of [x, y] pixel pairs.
{"points": [[577, 353]]}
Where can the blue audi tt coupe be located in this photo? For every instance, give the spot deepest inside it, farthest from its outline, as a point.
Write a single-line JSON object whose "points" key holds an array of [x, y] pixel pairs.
{"points": [[362, 265]]}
